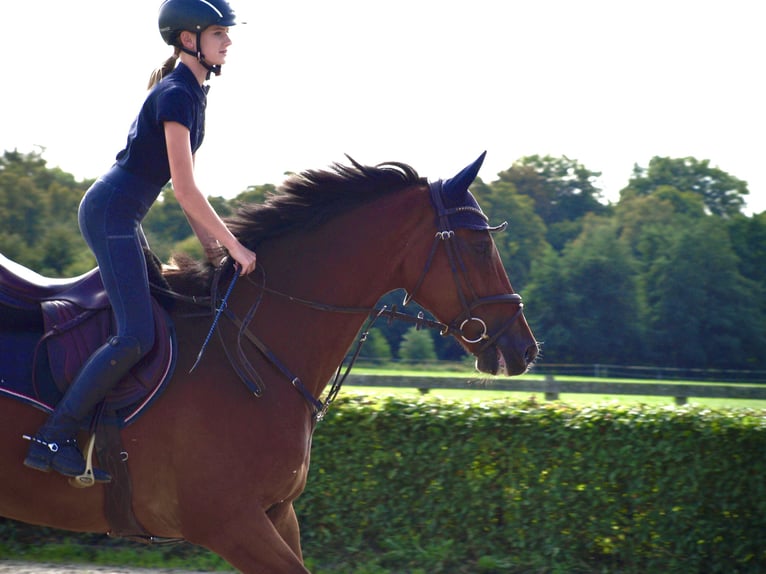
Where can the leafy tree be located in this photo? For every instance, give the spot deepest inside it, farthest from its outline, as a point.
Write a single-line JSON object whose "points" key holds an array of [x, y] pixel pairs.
{"points": [[189, 246], [588, 299], [59, 252], [524, 239], [15, 248], [546, 306], [376, 347], [21, 201], [647, 223], [562, 191], [166, 225], [38, 214], [417, 346], [221, 205], [393, 331], [703, 313], [255, 194], [448, 348], [722, 194], [748, 238]]}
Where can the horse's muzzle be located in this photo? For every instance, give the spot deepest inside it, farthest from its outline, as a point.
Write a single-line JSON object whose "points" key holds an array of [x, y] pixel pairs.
{"points": [[503, 358]]}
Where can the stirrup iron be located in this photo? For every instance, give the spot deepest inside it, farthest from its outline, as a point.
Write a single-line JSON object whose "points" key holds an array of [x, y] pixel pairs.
{"points": [[86, 479]]}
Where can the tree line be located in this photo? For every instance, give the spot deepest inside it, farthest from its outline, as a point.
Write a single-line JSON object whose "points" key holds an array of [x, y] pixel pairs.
{"points": [[673, 274]]}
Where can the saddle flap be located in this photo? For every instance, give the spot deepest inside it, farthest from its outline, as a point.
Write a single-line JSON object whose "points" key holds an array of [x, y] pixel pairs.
{"points": [[73, 333]]}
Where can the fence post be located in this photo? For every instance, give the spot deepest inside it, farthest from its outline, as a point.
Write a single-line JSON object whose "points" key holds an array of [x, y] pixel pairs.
{"points": [[551, 394]]}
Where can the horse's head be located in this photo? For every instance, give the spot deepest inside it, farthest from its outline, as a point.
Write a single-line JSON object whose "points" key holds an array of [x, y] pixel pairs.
{"points": [[465, 284]]}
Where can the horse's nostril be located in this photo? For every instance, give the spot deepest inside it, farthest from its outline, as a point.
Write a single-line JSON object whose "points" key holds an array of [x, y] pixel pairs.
{"points": [[531, 354]]}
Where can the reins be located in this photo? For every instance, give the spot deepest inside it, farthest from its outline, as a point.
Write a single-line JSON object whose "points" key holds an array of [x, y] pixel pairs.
{"points": [[221, 308], [242, 365]]}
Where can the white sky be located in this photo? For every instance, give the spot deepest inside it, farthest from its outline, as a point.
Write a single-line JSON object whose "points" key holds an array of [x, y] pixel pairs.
{"points": [[428, 82]]}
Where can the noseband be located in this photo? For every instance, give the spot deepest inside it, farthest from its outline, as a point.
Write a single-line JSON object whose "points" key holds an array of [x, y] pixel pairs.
{"points": [[445, 235]]}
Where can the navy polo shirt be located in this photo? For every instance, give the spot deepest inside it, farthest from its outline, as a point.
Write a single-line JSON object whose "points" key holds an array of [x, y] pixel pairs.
{"points": [[177, 98]]}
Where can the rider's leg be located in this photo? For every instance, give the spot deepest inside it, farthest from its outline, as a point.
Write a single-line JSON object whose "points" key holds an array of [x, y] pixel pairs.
{"points": [[112, 234], [55, 445]]}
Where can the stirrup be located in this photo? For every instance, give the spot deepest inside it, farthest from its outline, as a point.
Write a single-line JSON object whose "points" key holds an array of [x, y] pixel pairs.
{"points": [[89, 477]]}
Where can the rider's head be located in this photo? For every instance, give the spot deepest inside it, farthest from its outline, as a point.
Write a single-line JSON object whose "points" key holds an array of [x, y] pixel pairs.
{"points": [[193, 16]]}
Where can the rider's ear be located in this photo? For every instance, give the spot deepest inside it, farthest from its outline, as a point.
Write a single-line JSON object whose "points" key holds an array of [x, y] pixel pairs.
{"points": [[188, 40]]}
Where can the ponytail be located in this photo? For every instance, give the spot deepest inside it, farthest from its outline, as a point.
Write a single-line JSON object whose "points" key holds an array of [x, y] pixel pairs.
{"points": [[165, 69]]}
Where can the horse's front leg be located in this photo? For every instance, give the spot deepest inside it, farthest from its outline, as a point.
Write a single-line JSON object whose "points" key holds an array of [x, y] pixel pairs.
{"points": [[253, 544], [286, 522]]}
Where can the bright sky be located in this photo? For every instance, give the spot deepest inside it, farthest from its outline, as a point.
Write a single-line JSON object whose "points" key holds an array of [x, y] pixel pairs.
{"points": [[431, 83]]}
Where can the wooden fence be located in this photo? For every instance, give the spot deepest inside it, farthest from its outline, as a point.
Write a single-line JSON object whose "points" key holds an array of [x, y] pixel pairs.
{"points": [[552, 388]]}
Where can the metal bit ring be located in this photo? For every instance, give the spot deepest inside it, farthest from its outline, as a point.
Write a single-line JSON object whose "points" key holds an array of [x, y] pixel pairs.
{"points": [[481, 337]]}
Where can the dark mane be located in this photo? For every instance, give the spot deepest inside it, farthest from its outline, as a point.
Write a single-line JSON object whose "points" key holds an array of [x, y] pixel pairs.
{"points": [[307, 200]]}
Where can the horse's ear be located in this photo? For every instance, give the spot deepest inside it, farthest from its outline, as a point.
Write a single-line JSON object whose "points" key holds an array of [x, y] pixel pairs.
{"points": [[457, 185]]}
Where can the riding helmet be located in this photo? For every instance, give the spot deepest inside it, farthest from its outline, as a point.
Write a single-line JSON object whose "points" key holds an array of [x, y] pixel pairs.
{"points": [[192, 15]]}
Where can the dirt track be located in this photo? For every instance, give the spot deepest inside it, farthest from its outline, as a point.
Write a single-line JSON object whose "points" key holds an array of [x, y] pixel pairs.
{"points": [[11, 567]]}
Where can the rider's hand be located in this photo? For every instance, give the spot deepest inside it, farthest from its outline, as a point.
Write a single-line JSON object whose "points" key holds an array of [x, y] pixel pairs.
{"points": [[244, 257]]}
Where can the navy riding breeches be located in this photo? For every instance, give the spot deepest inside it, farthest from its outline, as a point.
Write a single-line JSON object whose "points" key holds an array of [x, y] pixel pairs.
{"points": [[110, 217]]}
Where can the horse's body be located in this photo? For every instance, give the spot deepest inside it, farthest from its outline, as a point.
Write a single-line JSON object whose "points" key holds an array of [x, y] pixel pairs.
{"points": [[219, 467]]}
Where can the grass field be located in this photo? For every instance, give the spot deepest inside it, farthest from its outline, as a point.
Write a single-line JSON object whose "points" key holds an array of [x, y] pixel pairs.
{"points": [[573, 398]]}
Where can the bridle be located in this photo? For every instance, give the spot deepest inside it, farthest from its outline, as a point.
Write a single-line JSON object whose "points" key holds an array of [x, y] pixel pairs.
{"points": [[445, 235], [469, 301]]}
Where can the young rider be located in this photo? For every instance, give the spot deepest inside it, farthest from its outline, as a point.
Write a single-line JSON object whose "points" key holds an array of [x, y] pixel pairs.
{"points": [[160, 148]]}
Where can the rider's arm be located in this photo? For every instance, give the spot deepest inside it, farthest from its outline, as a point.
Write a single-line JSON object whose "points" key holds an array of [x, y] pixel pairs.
{"points": [[206, 223]]}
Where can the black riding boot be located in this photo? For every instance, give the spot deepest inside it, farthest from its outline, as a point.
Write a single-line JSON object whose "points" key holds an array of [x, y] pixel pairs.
{"points": [[55, 444]]}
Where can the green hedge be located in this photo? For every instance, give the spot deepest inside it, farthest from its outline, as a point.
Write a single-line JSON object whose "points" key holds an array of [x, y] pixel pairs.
{"points": [[428, 486], [436, 486]]}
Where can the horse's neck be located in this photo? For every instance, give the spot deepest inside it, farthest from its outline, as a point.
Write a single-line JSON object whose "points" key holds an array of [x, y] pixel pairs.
{"points": [[355, 258], [350, 262]]}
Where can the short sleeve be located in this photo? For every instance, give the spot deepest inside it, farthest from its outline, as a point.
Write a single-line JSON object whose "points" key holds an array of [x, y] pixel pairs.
{"points": [[175, 105]]}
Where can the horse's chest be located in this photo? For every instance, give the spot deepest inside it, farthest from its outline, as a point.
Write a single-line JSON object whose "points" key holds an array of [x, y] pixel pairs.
{"points": [[288, 468], [287, 482]]}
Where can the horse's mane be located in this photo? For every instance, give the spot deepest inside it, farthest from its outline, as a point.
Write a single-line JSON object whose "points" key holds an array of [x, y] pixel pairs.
{"points": [[308, 199]]}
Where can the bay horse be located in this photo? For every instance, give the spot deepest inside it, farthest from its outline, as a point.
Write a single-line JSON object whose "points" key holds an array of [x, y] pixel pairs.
{"points": [[219, 464]]}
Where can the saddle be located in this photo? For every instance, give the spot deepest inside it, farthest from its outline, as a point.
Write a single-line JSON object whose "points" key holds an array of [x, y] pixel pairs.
{"points": [[69, 319], [74, 319]]}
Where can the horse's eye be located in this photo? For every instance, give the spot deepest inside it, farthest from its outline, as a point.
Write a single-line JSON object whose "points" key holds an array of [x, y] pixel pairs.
{"points": [[482, 248]]}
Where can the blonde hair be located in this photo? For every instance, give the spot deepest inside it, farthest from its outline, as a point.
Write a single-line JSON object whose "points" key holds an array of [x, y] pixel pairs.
{"points": [[165, 69]]}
